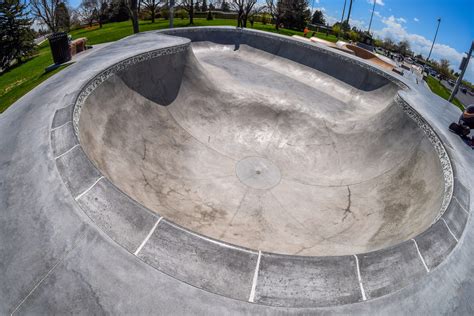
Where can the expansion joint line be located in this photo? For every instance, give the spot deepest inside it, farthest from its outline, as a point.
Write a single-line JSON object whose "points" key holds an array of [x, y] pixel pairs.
{"points": [[462, 207], [147, 236], [362, 291], [421, 257], [255, 278], [450, 231], [67, 151], [89, 188]]}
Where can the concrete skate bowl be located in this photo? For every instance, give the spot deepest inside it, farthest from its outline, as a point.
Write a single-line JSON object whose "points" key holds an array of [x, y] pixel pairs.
{"points": [[263, 169]]}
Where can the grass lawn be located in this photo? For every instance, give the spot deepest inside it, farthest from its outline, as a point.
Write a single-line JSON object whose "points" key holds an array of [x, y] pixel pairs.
{"points": [[22, 78], [437, 88]]}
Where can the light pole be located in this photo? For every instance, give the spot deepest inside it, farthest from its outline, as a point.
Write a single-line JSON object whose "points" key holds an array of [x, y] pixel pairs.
{"points": [[434, 40], [372, 16], [464, 64], [349, 13], [343, 12]]}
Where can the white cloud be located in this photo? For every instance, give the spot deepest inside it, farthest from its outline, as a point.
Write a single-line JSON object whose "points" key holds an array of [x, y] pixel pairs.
{"points": [[416, 19], [419, 44], [322, 9], [379, 2], [401, 20]]}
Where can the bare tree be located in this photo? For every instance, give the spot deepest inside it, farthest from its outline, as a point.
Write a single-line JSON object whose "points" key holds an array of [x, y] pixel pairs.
{"points": [[45, 10], [89, 11], [244, 9], [188, 5], [276, 10], [152, 6]]}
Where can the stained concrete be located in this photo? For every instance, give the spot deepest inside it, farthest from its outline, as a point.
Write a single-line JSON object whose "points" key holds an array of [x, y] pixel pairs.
{"points": [[55, 260], [344, 169]]}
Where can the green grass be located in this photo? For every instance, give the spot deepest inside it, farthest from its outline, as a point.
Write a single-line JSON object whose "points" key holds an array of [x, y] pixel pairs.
{"points": [[437, 88], [22, 78]]}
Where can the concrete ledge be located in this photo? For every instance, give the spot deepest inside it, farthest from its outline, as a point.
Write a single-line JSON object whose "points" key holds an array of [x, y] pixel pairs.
{"points": [[62, 116], [77, 172], [124, 220], [63, 139], [435, 244], [391, 269], [455, 218], [307, 281], [201, 262]]}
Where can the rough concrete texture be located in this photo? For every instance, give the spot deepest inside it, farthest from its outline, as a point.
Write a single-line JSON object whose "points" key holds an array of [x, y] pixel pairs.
{"points": [[54, 259], [344, 169]]}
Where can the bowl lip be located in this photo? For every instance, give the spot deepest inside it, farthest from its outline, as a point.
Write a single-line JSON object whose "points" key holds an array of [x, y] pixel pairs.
{"points": [[105, 73]]}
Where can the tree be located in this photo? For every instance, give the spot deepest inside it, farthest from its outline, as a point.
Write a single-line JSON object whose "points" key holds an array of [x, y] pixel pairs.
{"points": [[295, 14], [403, 48], [133, 7], [16, 36], [103, 12], [89, 11], [204, 6], [443, 68], [188, 5], [388, 44], [118, 11], [318, 18], [152, 6], [337, 29], [225, 7], [244, 9], [44, 10], [276, 9], [209, 16], [354, 36], [62, 17]]}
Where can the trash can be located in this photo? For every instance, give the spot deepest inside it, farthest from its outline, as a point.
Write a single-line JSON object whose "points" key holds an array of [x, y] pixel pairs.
{"points": [[59, 44]]}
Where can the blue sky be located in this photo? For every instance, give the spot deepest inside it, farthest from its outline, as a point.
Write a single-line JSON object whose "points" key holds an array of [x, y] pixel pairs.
{"points": [[414, 20]]}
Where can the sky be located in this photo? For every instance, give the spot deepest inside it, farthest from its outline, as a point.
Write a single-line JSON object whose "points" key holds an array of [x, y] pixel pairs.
{"points": [[413, 20]]}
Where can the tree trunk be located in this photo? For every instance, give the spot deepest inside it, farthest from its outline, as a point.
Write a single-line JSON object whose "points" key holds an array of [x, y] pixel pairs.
{"points": [[134, 9], [277, 23], [153, 15], [191, 13]]}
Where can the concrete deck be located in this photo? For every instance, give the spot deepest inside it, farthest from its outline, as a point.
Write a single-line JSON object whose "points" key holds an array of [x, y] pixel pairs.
{"points": [[72, 241]]}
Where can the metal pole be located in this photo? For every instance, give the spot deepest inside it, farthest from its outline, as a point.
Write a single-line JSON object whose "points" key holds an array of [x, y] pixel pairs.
{"points": [[171, 13], [371, 17], [434, 40], [343, 11], [349, 13], [459, 81]]}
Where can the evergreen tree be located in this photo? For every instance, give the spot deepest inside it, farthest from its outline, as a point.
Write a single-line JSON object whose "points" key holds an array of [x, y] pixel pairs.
{"points": [[16, 36], [204, 6], [318, 18], [295, 13], [62, 17], [225, 6]]}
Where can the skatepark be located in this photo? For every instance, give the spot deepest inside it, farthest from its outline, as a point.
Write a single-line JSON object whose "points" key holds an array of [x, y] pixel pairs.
{"points": [[219, 170]]}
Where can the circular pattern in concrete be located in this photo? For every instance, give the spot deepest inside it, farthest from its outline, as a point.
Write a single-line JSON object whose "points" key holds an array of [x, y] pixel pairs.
{"points": [[258, 173]]}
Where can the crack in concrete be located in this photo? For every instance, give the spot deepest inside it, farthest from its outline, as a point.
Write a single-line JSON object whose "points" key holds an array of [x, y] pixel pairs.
{"points": [[348, 211]]}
